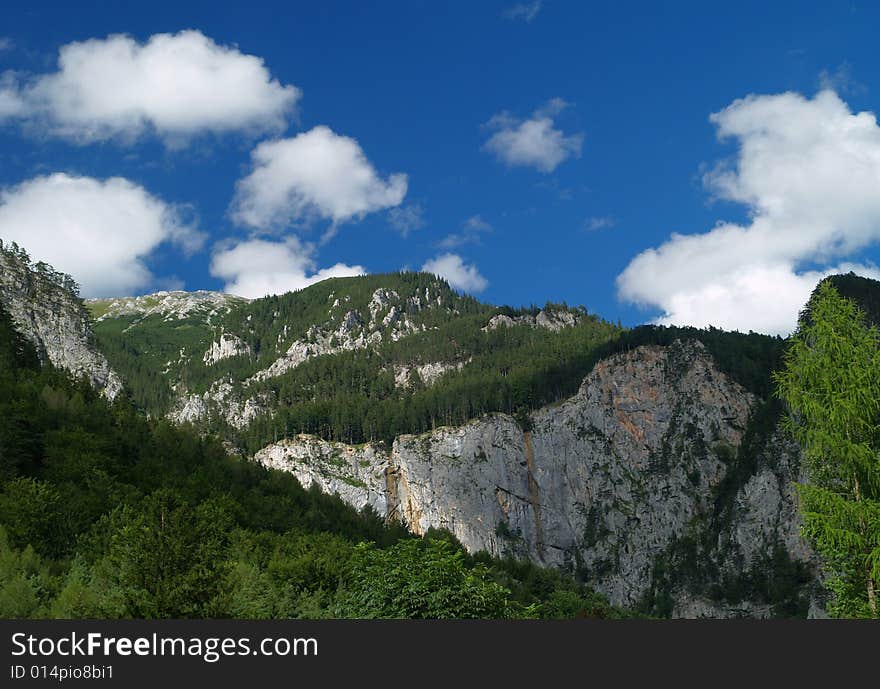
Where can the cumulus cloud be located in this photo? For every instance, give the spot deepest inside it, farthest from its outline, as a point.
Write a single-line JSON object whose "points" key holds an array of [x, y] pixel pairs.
{"points": [[523, 11], [316, 174], [178, 85], [99, 231], [405, 219], [809, 172], [534, 142], [471, 229], [456, 272], [257, 267]]}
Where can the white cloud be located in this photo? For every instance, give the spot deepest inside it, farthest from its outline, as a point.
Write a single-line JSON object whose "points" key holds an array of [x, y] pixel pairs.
{"points": [[534, 142], [470, 233], [6, 43], [525, 11], [99, 231], [405, 219], [809, 172], [599, 223], [761, 298], [11, 104], [316, 174], [178, 85], [257, 267], [456, 272], [841, 80], [476, 223]]}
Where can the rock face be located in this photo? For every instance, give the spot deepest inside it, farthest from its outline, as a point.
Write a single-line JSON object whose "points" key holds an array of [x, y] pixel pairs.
{"points": [[356, 474], [45, 309], [226, 346], [429, 373], [606, 482], [550, 320], [221, 399]]}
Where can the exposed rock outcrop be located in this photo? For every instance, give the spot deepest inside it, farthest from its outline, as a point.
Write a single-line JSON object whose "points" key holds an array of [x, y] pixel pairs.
{"points": [[554, 320], [45, 309], [221, 399], [605, 482], [226, 346], [428, 373]]}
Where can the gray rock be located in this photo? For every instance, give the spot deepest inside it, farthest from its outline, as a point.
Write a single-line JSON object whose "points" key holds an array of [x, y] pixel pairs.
{"points": [[605, 482], [554, 320], [226, 346], [46, 311]]}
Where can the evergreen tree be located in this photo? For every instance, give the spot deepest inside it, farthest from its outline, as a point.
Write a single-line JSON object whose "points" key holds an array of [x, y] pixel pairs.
{"points": [[831, 382]]}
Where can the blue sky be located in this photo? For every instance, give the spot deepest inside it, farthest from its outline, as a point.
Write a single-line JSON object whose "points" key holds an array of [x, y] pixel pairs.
{"points": [[545, 147]]}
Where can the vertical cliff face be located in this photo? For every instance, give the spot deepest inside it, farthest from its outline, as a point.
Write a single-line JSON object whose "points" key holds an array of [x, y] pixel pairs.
{"points": [[45, 309], [610, 482]]}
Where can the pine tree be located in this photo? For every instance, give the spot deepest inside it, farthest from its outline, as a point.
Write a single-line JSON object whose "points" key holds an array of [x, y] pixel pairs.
{"points": [[831, 383]]}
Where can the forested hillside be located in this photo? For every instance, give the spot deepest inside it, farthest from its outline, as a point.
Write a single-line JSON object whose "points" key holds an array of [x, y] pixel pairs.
{"points": [[361, 346], [104, 513]]}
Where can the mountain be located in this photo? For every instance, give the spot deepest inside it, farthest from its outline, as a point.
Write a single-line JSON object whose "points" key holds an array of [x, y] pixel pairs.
{"points": [[648, 463], [106, 513], [246, 369], [151, 338]]}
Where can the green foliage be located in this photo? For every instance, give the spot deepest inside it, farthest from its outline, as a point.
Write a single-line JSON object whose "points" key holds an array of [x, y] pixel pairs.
{"points": [[860, 290], [420, 579], [25, 580], [550, 593], [831, 382], [169, 558], [774, 578]]}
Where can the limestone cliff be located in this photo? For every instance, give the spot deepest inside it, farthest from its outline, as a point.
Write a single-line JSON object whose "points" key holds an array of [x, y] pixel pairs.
{"points": [[45, 309], [609, 482]]}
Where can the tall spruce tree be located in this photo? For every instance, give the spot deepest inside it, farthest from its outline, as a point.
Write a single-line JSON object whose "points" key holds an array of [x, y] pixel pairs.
{"points": [[831, 383]]}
